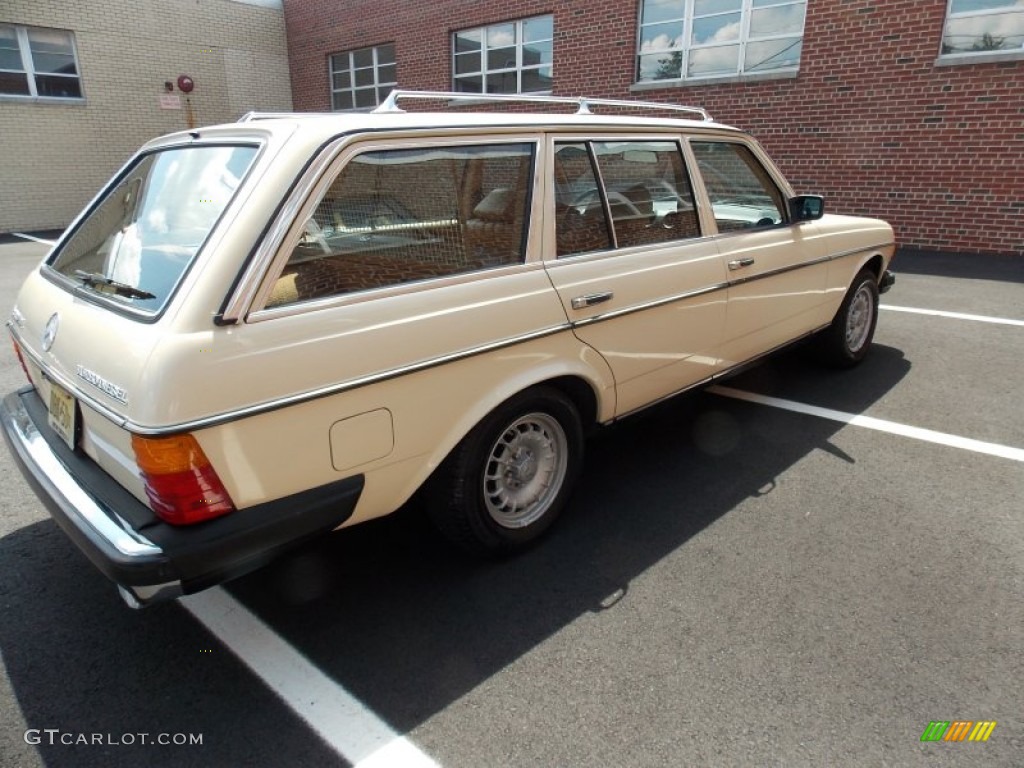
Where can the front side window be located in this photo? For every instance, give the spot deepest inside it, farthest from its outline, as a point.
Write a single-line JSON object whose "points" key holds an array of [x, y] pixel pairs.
{"points": [[693, 39], [515, 57], [644, 192], [403, 215], [976, 27], [38, 62], [362, 79], [134, 247], [742, 193]]}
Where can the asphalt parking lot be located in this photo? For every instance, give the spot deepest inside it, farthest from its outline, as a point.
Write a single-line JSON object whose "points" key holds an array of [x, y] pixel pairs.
{"points": [[802, 568]]}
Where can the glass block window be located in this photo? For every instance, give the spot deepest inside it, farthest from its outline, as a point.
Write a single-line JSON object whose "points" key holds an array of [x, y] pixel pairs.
{"points": [[514, 57], [983, 26], [692, 39], [363, 78], [35, 62]]}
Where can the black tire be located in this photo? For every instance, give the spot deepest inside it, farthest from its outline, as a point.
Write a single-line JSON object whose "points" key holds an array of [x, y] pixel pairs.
{"points": [[472, 497], [847, 340]]}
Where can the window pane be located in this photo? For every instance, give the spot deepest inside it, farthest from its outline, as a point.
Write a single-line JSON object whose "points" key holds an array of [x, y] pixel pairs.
{"points": [[501, 35], [342, 80], [10, 59], [501, 58], [14, 83], [706, 62], [661, 67], [363, 77], [781, 20], [704, 7], [661, 37], [716, 29], [992, 32], [773, 54], [385, 54], [58, 87], [537, 79], [362, 58], [467, 62], [661, 10], [50, 41], [54, 63], [366, 97], [742, 194], [580, 222], [470, 84], [502, 82], [342, 100], [969, 6], [538, 29], [340, 62], [387, 74], [467, 41], [399, 216], [537, 53], [648, 192]]}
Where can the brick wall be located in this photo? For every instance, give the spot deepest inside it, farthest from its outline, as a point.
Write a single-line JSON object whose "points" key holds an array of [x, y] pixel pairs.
{"points": [[55, 156], [870, 121]]}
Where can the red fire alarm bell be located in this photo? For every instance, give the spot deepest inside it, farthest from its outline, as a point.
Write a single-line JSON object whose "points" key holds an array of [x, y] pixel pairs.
{"points": [[185, 83]]}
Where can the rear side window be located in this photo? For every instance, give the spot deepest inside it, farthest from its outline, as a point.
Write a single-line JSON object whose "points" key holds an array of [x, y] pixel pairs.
{"points": [[134, 247], [398, 216], [640, 188], [743, 195]]}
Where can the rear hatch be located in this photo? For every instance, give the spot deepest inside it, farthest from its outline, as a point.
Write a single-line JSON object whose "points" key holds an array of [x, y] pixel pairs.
{"points": [[88, 320]]}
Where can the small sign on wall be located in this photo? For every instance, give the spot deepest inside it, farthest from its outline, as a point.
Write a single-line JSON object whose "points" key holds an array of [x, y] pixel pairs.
{"points": [[170, 101]]}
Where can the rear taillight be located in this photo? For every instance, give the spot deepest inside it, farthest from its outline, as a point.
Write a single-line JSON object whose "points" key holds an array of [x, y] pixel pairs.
{"points": [[17, 351], [181, 484]]}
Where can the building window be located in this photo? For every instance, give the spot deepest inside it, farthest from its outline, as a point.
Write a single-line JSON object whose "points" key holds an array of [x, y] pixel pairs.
{"points": [[362, 79], [38, 62], [504, 58], [691, 39], [983, 26]]}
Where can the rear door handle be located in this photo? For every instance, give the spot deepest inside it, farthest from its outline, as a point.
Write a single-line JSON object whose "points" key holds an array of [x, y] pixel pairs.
{"points": [[740, 263], [582, 302]]}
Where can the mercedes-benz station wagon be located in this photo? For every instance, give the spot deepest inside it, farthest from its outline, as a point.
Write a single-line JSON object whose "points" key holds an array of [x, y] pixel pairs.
{"points": [[261, 332]]}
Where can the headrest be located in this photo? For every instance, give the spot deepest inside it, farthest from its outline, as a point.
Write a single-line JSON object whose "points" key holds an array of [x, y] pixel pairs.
{"points": [[496, 206]]}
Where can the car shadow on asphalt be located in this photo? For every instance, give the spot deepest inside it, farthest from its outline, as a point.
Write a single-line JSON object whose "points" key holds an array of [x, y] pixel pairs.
{"points": [[387, 608], [968, 266]]}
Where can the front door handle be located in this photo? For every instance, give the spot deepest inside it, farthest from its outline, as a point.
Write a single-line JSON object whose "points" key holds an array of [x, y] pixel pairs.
{"points": [[740, 263], [582, 302]]}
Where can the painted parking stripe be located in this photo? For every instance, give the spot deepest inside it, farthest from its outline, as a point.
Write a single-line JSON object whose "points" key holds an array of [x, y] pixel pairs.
{"points": [[892, 427], [340, 719], [954, 315], [33, 238]]}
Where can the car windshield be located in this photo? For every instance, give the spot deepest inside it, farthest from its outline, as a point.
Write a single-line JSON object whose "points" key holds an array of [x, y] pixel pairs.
{"points": [[140, 238]]}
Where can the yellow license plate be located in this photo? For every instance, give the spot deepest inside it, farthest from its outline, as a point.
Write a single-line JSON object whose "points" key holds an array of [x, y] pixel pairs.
{"points": [[62, 414]]}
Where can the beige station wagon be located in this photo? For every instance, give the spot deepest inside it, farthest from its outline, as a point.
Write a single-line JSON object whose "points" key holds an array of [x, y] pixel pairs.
{"points": [[261, 332]]}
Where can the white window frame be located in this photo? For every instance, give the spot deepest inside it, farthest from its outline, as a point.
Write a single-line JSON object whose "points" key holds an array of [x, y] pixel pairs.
{"points": [[351, 70], [484, 72], [687, 16], [28, 66], [971, 56]]}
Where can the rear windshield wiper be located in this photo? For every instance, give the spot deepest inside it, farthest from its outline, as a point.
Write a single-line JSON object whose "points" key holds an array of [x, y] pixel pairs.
{"points": [[105, 284]]}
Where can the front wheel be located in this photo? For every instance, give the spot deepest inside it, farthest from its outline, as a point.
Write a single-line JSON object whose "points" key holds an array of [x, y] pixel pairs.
{"points": [[847, 340], [510, 477]]}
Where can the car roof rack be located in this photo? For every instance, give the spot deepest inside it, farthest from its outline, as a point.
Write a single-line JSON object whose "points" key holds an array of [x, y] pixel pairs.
{"points": [[583, 103]]}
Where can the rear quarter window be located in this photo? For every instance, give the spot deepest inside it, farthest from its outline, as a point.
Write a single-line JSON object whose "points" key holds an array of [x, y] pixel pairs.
{"points": [[137, 242]]}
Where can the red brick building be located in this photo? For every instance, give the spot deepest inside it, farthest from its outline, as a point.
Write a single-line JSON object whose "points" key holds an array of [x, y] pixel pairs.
{"points": [[912, 110]]}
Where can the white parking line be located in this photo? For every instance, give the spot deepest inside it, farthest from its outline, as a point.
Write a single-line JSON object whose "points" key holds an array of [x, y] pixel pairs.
{"points": [[33, 238], [892, 427], [341, 720], [954, 315]]}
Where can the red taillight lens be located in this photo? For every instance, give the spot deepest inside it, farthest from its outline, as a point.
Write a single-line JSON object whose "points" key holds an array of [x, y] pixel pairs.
{"points": [[17, 351], [181, 484]]}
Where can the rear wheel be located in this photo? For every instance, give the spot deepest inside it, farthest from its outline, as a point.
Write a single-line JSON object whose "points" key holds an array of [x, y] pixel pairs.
{"points": [[847, 340], [510, 477]]}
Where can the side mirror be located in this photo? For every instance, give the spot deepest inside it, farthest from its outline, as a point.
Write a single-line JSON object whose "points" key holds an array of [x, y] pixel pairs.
{"points": [[806, 207]]}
